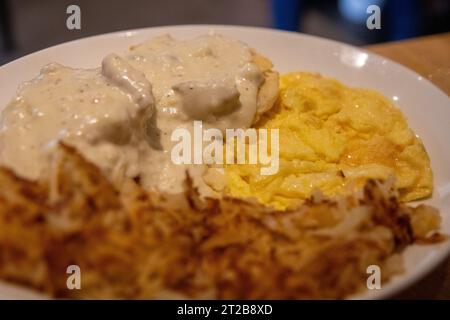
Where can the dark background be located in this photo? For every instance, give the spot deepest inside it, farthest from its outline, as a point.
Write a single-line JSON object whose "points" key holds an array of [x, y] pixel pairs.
{"points": [[30, 25]]}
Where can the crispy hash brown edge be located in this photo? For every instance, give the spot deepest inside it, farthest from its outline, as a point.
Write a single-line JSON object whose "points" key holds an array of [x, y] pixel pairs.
{"points": [[130, 243]]}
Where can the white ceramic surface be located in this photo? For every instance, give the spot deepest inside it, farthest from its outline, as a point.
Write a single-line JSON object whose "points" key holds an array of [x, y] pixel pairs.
{"points": [[426, 107]]}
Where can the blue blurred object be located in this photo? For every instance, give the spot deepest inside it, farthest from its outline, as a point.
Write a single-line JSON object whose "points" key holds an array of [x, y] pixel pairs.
{"points": [[404, 17], [356, 10], [401, 19], [286, 14]]}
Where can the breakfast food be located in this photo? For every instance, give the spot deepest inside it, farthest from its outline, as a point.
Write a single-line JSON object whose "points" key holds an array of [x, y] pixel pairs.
{"points": [[87, 180], [121, 115], [334, 138], [132, 243]]}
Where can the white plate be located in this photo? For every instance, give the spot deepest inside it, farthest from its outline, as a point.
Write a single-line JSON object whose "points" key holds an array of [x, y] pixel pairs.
{"points": [[426, 107]]}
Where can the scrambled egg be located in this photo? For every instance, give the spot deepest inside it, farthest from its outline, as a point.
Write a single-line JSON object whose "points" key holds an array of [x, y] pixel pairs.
{"points": [[333, 138]]}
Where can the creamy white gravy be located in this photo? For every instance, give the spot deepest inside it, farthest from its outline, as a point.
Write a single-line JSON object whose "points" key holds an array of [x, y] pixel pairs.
{"points": [[121, 116]]}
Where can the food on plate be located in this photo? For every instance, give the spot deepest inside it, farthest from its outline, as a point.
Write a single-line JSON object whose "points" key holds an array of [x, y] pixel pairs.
{"points": [[121, 116], [87, 179], [133, 243], [334, 138]]}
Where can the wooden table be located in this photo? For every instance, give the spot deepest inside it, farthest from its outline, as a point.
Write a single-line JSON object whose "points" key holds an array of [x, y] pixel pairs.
{"points": [[430, 57]]}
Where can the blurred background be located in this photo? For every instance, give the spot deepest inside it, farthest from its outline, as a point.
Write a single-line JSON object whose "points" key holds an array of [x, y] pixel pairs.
{"points": [[30, 25]]}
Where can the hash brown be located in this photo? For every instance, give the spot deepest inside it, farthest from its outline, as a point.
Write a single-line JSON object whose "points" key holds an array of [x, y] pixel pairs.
{"points": [[130, 243]]}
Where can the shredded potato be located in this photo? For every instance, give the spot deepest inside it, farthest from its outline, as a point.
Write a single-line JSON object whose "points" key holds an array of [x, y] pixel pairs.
{"points": [[130, 243]]}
